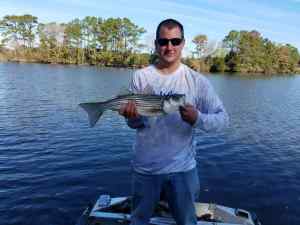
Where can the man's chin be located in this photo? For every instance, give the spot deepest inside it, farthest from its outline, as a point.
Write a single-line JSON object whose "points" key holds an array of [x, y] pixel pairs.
{"points": [[170, 60]]}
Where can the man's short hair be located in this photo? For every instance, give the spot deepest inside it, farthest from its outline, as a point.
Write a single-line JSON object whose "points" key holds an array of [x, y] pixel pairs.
{"points": [[169, 23]]}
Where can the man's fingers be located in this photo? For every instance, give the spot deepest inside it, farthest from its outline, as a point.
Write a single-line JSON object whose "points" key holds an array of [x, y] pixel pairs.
{"points": [[125, 109], [122, 109], [134, 110], [182, 109], [131, 110], [184, 116], [188, 107], [128, 110], [136, 114]]}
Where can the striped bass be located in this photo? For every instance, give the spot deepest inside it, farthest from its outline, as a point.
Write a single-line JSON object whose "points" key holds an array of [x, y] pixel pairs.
{"points": [[147, 105]]}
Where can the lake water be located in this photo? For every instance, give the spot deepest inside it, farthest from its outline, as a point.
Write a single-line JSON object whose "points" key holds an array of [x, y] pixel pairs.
{"points": [[52, 164]]}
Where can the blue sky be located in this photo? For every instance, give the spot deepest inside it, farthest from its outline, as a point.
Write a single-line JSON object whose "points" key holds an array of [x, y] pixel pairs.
{"points": [[277, 20]]}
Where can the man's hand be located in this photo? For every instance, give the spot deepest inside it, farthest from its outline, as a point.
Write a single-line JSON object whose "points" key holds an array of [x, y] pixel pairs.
{"points": [[189, 114], [129, 110]]}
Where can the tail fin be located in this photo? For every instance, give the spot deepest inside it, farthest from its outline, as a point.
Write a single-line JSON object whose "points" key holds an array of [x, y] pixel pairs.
{"points": [[94, 111]]}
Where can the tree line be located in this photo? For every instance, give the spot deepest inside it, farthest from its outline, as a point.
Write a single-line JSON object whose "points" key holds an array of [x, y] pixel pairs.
{"points": [[92, 40], [116, 42], [249, 52]]}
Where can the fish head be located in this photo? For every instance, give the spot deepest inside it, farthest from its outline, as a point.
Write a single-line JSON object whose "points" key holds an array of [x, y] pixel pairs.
{"points": [[171, 103]]}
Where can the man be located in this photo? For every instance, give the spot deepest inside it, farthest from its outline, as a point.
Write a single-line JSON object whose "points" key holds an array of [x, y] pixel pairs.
{"points": [[164, 158]]}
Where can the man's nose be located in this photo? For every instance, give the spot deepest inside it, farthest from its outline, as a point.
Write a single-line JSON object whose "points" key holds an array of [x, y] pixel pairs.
{"points": [[169, 45]]}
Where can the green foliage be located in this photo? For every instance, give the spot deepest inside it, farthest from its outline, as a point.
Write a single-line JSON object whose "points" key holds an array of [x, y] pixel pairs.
{"points": [[251, 53], [197, 64], [74, 34], [232, 40], [218, 65], [19, 28], [201, 42], [115, 42], [92, 40], [248, 52], [119, 35]]}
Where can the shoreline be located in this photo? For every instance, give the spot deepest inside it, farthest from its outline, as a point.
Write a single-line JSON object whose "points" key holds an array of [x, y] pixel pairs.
{"points": [[248, 74], [26, 61]]}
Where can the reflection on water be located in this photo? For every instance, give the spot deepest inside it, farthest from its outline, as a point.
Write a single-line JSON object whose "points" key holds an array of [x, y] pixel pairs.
{"points": [[52, 164]]}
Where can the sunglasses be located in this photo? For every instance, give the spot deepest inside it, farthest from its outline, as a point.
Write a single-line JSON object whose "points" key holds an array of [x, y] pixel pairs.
{"points": [[165, 41]]}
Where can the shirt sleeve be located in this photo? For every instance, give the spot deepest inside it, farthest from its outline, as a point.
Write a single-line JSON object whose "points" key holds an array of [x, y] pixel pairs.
{"points": [[212, 115], [135, 88]]}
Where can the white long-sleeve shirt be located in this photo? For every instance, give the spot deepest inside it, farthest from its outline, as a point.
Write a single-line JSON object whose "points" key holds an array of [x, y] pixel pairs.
{"points": [[164, 144]]}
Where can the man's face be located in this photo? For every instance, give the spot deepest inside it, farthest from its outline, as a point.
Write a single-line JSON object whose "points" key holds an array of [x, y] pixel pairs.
{"points": [[169, 53]]}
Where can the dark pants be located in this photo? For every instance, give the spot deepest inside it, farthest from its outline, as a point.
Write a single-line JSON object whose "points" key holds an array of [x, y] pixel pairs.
{"points": [[181, 190]]}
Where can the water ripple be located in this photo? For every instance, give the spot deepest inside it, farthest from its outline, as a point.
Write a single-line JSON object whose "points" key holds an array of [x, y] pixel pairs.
{"points": [[52, 164]]}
